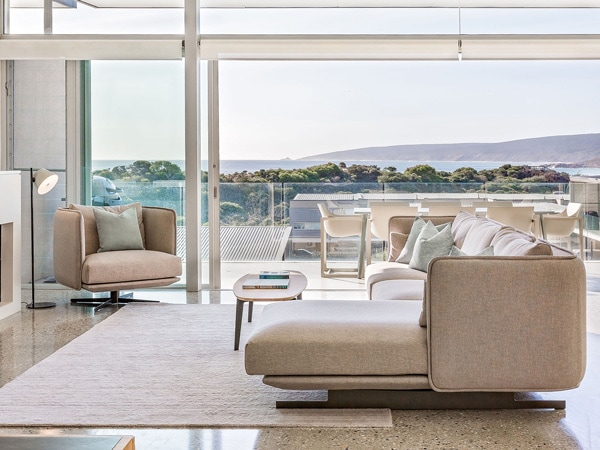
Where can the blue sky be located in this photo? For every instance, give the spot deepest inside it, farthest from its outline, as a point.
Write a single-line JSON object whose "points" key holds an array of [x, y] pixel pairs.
{"points": [[294, 109], [272, 110]]}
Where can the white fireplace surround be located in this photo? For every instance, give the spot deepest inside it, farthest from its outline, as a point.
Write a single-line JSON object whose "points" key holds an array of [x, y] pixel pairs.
{"points": [[10, 251]]}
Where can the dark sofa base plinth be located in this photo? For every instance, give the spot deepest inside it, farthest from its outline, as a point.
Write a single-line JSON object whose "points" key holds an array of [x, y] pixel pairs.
{"points": [[423, 399]]}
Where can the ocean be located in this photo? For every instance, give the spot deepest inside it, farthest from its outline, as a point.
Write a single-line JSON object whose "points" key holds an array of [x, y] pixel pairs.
{"points": [[229, 166]]}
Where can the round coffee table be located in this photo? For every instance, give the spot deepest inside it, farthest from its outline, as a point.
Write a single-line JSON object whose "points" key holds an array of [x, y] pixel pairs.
{"points": [[294, 290]]}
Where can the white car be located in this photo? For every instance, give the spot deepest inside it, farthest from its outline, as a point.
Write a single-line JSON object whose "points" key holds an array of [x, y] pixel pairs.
{"points": [[105, 193]]}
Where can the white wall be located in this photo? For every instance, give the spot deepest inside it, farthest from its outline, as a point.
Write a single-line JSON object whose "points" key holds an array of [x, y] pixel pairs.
{"points": [[39, 140]]}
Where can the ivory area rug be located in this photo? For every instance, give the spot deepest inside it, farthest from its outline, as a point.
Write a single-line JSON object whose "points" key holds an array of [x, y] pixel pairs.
{"points": [[161, 365]]}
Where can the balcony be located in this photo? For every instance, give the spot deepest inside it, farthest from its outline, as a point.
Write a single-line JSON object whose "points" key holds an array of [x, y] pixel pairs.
{"points": [[275, 226]]}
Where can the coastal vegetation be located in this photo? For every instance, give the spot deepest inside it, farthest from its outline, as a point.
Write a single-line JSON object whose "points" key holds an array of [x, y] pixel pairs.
{"points": [[422, 173], [148, 171], [263, 197]]}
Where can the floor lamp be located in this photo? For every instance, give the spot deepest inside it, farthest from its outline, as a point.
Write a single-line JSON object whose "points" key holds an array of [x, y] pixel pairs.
{"points": [[44, 181]]}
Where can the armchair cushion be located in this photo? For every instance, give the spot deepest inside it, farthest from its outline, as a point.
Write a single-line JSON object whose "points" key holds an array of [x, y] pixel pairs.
{"points": [[118, 231], [92, 240], [129, 265]]}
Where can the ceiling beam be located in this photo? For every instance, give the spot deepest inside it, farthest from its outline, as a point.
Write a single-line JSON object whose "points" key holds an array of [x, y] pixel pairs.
{"points": [[242, 4], [305, 48], [102, 47], [398, 47], [399, 3]]}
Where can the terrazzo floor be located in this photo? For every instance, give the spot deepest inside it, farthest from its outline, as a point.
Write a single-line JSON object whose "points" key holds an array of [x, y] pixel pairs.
{"points": [[29, 337]]}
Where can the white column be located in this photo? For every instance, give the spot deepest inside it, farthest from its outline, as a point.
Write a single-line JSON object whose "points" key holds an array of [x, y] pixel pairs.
{"points": [[214, 200], [192, 145]]}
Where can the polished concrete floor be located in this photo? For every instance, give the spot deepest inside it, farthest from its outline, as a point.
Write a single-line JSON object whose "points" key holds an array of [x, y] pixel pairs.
{"points": [[29, 337]]}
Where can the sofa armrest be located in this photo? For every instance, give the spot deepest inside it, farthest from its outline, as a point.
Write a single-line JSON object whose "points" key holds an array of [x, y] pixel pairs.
{"points": [[68, 247], [160, 228], [506, 323]]}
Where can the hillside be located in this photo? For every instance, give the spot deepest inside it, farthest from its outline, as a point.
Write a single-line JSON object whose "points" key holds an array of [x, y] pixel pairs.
{"points": [[577, 148]]}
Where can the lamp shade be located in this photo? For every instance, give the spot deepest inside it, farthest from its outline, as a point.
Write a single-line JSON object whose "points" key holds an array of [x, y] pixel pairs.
{"points": [[44, 181]]}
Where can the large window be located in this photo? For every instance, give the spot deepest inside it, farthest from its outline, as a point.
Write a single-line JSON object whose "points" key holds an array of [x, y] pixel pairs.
{"points": [[137, 135], [280, 110]]}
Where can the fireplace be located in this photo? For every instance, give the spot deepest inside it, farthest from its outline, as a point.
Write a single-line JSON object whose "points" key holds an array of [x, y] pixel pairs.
{"points": [[10, 243]]}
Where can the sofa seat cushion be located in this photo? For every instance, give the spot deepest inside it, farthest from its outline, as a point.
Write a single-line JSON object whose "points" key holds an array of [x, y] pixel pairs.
{"points": [[378, 272], [129, 265], [510, 242], [338, 337], [398, 290]]}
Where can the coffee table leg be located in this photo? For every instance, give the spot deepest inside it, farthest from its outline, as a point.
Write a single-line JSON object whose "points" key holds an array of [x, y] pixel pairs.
{"points": [[250, 307], [239, 309]]}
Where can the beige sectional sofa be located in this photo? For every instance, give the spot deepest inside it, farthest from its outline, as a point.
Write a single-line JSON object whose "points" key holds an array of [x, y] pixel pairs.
{"points": [[469, 332]]}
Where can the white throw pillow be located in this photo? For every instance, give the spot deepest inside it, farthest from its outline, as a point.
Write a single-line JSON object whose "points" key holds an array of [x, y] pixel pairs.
{"points": [[430, 244]]}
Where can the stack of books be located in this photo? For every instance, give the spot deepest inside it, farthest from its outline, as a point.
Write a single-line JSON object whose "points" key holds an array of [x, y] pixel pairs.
{"points": [[268, 280]]}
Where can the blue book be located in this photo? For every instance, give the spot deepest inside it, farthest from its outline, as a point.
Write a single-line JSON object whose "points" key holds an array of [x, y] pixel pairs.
{"points": [[277, 275]]}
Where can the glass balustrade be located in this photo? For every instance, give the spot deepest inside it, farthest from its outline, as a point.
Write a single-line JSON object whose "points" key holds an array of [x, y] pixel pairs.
{"points": [[281, 221]]}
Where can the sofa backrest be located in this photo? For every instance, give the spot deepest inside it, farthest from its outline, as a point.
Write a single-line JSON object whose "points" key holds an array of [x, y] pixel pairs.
{"points": [[472, 234]]}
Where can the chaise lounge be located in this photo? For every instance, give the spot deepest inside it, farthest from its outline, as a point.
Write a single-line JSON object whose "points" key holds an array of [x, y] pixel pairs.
{"points": [[468, 331]]}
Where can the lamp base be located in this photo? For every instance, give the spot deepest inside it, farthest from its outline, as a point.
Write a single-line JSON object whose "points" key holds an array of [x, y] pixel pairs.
{"points": [[41, 305]]}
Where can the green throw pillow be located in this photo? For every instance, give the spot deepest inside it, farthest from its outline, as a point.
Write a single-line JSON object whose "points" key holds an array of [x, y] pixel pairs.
{"points": [[430, 244], [488, 251], [118, 231], [409, 246]]}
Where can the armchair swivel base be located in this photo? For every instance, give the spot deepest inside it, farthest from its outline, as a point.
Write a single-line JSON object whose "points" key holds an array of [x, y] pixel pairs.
{"points": [[114, 300]]}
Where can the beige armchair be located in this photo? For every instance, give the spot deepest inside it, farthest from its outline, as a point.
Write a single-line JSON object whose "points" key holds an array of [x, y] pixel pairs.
{"points": [[79, 265], [337, 226], [563, 224]]}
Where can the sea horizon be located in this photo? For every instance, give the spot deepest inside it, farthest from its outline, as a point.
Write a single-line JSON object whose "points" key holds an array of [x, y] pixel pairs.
{"points": [[229, 166]]}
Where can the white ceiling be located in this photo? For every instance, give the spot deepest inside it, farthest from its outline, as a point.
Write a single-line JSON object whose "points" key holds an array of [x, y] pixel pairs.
{"points": [[399, 3], [327, 3]]}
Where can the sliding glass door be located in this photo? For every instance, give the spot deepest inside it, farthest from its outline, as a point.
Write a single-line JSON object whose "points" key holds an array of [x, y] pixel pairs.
{"points": [[135, 118]]}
